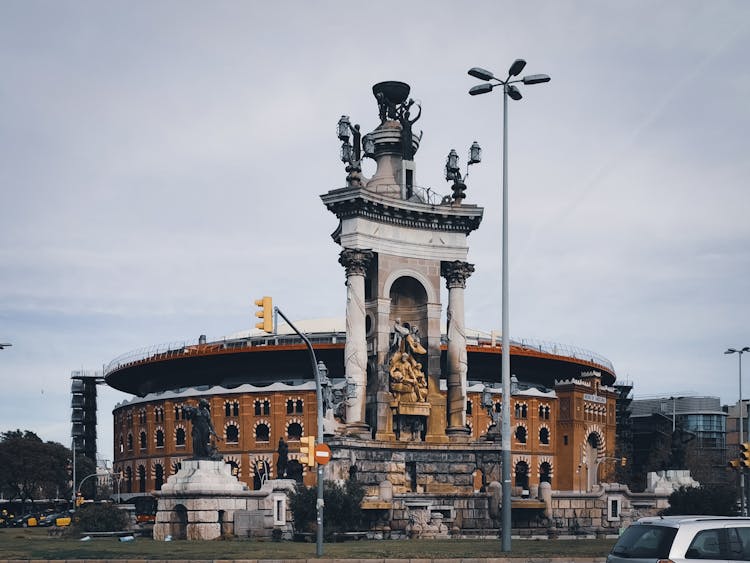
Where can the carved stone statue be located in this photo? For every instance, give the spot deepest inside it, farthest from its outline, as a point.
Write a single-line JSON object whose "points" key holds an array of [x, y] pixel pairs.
{"points": [[678, 447], [283, 459], [202, 431], [406, 339], [404, 382], [356, 143], [407, 148], [407, 382]]}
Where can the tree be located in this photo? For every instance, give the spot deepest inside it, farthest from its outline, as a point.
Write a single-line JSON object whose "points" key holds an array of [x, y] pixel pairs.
{"points": [[31, 468], [100, 518], [343, 512], [712, 500]]}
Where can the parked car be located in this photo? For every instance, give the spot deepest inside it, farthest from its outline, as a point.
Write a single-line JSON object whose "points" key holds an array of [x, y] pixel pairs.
{"points": [[55, 519], [682, 539], [25, 521], [5, 518]]}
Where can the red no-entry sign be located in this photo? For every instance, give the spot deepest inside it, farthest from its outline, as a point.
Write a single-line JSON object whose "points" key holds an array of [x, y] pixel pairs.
{"points": [[322, 454]]}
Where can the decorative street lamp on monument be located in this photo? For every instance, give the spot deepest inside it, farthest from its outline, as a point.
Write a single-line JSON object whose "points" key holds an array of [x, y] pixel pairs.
{"points": [[509, 90]]}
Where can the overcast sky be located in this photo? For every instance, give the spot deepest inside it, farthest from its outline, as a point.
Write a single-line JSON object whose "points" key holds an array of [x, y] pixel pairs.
{"points": [[161, 165]]}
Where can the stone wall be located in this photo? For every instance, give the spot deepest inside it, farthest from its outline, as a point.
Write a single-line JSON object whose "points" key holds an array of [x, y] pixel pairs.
{"points": [[605, 510], [414, 467], [416, 490]]}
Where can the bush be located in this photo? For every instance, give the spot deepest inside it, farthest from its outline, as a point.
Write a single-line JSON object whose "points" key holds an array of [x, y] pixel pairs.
{"points": [[95, 517], [710, 500], [342, 511]]}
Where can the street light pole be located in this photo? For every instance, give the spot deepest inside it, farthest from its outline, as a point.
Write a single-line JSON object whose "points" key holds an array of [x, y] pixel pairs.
{"points": [[743, 504], [73, 449], [509, 89], [505, 368], [319, 505]]}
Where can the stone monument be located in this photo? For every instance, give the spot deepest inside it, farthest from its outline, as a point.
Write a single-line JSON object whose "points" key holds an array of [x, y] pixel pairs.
{"points": [[400, 433], [204, 501], [397, 240]]}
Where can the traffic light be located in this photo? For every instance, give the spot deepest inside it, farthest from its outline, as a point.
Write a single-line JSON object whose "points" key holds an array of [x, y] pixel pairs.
{"points": [[733, 464], [745, 454], [265, 314], [307, 451]]}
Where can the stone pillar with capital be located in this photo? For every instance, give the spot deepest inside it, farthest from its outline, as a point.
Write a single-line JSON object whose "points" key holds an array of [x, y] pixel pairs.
{"points": [[456, 274], [356, 262]]}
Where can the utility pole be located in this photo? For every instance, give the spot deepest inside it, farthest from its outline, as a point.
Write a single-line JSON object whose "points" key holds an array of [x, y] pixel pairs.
{"points": [[319, 399]]}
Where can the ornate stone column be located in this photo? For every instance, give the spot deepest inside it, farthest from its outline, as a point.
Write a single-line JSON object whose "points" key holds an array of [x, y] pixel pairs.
{"points": [[355, 351], [455, 274]]}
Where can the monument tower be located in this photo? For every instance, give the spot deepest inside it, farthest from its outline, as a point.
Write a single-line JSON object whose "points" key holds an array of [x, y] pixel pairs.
{"points": [[398, 240]]}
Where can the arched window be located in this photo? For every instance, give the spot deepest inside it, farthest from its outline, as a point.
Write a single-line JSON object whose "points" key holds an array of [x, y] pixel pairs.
{"points": [[544, 435], [233, 434], [262, 433], [179, 436], [468, 407], [298, 406], [142, 439], [130, 442], [158, 476], [524, 411], [141, 479], [122, 444], [290, 406], [262, 407], [545, 472], [129, 479], [294, 431], [521, 434], [235, 467], [227, 409], [522, 475], [160, 438], [518, 410]]}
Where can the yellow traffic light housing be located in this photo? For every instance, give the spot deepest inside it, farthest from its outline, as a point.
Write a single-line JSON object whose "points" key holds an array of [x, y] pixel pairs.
{"points": [[265, 314], [733, 463], [745, 454], [307, 451]]}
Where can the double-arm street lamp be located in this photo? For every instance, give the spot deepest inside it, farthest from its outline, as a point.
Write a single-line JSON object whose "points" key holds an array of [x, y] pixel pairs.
{"points": [[743, 507], [509, 90]]}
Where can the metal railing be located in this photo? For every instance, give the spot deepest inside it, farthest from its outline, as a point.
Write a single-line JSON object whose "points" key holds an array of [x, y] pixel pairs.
{"points": [[548, 347], [186, 348], [417, 194]]}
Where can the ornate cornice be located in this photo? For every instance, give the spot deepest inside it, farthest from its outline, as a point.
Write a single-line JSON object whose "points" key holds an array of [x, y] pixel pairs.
{"points": [[356, 261], [456, 273], [347, 203]]}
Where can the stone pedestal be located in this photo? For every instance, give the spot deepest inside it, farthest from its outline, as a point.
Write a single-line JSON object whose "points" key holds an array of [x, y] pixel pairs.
{"points": [[203, 500], [199, 501]]}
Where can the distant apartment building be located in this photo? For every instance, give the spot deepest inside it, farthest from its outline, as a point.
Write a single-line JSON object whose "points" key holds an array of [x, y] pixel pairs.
{"points": [[685, 432]]}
